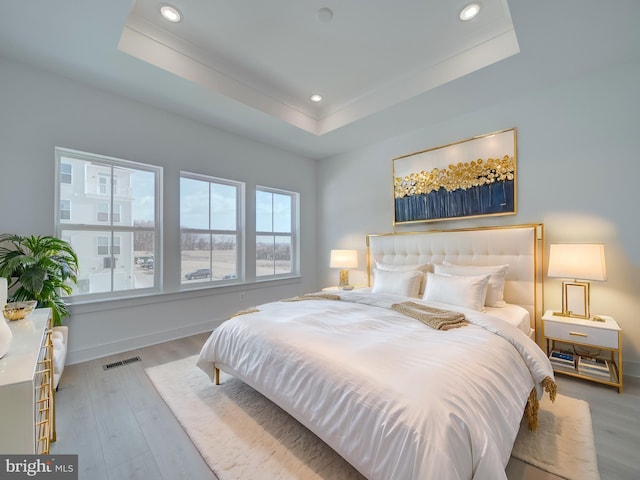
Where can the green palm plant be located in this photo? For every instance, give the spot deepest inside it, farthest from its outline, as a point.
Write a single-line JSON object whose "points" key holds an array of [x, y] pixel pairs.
{"points": [[39, 268]]}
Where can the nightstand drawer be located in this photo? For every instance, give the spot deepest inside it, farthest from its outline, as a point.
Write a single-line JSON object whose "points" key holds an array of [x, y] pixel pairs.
{"points": [[582, 334]]}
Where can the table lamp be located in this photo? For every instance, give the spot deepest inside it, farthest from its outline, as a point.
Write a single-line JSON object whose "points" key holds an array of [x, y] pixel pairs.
{"points": [[344, 260], [582, 262]]}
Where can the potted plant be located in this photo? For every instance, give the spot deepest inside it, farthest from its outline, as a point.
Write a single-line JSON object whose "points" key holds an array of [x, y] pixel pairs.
{"points": [[39, 268]]}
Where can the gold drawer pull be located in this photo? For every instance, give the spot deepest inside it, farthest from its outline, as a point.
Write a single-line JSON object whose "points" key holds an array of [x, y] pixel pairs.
{"points": [[578, 334]]}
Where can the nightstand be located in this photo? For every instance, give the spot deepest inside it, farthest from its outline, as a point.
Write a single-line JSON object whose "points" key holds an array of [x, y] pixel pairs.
{"points": [[595, 342]]}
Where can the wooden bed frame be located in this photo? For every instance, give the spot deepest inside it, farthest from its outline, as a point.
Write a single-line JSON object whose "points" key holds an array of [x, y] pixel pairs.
{"points": [[519, 246]]}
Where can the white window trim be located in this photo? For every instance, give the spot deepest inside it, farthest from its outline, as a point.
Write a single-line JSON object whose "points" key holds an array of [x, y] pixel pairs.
{"points": [[157, 229], [239, 233], [294, 235]]}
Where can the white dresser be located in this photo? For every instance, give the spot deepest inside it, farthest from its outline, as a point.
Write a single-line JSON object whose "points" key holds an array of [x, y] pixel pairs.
{"points": [[27, 404]]}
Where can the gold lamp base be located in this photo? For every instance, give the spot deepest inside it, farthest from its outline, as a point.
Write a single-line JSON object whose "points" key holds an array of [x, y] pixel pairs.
{"points": [[344, 278], [575, 300]]}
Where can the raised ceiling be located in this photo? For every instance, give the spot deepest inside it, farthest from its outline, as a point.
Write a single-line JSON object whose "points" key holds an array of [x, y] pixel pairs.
{"points": [[362, 56], [384, 67]]}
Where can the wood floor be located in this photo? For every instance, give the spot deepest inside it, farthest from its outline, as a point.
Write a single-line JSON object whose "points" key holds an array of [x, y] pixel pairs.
{"points": [[121, 429]]}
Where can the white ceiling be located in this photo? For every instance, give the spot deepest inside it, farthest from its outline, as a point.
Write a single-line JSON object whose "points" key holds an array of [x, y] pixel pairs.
{"points": [[273, 55], [383, 67]]}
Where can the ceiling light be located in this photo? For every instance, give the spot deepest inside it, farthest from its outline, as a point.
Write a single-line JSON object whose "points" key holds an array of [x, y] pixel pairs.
{"points": [[469, 12], [170, 13], [316, 97]]}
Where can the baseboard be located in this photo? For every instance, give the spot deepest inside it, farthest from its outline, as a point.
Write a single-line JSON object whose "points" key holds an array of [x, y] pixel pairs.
{"points": [[105, 350]]}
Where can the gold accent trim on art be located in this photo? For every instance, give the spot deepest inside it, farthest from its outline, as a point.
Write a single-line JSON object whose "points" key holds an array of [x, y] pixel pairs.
{"points": [[470, 178]]}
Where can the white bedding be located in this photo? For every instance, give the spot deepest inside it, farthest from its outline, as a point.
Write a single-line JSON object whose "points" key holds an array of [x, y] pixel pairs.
{"points": [[395, 398], [513, 314]]}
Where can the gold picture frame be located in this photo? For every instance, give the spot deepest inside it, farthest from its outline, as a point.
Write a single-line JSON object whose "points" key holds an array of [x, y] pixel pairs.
{"points": [[575, 299], [470, 178]]}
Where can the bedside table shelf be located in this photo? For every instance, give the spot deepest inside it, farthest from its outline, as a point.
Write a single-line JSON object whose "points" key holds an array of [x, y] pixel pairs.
{"points": [[574, 335]]}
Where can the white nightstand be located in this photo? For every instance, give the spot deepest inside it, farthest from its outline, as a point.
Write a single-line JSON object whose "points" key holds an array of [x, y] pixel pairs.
{"points": [[586, 338]]}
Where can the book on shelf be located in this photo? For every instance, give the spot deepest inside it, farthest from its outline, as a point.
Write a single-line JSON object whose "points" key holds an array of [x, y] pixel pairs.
{"points": [[562, 358], [594, 366]]}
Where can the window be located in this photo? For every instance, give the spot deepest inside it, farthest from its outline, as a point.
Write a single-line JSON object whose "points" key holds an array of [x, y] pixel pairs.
{"points": [[211, 229], [103, 212], [117, 210], [276, 232], [103, 245], [108, 245], [103, 184], [65, 209], [65, 173], [106, 182], [110, 236]]}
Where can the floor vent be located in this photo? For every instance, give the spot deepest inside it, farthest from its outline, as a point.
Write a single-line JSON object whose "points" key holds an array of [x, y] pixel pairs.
{"points": [[120, 363]]}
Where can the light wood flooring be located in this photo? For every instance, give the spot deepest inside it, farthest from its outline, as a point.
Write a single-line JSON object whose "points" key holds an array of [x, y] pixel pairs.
{"points": [[121, 429]]}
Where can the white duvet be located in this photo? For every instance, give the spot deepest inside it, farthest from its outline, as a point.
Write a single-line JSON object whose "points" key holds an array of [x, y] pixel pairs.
{"points": [[396, 398]]}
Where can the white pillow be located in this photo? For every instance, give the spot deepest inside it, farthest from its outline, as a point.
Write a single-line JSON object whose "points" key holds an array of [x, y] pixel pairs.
{"points": [[498, 275], [421, 267], [390, 267], [397, 283], [466, 291]]}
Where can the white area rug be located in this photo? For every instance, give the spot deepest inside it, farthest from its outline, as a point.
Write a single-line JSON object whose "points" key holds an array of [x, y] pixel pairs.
{"points": [[244, 436], [563, 443]]}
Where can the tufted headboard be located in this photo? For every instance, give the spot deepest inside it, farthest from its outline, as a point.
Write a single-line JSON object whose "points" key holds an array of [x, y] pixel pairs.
{"points": [[519, 246]]}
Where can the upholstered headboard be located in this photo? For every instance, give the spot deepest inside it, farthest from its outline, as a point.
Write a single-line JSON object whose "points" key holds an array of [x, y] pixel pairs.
{"points": [[519, 246]]}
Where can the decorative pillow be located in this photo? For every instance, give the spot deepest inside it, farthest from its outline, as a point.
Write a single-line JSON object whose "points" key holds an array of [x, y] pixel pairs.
{"points": [[466, 291], [498, 275], [397, 283], [422, 267]]}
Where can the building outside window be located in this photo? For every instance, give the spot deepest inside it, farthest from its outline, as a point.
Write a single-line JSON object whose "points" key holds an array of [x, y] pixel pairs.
{"points": [[276, 233], [211, 228], [115, 224]]}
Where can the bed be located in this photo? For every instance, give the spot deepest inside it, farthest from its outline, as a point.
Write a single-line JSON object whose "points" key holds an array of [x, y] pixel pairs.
{"points": [[411, 378]]}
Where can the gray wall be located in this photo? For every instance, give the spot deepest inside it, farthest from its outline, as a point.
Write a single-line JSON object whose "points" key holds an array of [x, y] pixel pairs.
{"points": [[39, 111], [578, 165]]}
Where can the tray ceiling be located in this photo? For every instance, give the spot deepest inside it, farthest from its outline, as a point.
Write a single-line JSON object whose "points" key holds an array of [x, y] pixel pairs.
{"points": [[362, 56]]}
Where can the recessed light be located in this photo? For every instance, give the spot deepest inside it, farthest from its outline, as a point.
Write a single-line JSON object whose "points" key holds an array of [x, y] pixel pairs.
{"points": [[469, 12], [316, 97], [170, 13]]}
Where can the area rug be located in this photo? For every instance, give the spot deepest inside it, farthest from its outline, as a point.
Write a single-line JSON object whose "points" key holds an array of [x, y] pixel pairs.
{"points": [[243, 436]]}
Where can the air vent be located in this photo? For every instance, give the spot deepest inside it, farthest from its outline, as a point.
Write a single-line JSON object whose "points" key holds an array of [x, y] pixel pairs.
{"points": [[120, 363]]}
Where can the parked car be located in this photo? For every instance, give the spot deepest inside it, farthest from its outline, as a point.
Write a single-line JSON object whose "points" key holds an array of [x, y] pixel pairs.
{"points": [[148, 264], [200, 273]]}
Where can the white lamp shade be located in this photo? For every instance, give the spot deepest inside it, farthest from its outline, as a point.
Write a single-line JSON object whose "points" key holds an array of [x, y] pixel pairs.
{"points": [[580, 261], [344, 259]]}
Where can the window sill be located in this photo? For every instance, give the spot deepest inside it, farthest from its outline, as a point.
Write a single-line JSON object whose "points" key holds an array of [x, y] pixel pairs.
{"points": [[81, 306]]}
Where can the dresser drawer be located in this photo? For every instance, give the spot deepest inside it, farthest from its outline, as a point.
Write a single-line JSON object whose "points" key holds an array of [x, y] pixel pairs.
{"points": [[573, 333]]}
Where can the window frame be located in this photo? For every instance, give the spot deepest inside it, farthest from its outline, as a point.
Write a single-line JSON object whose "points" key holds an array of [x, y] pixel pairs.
{"points": [[110, 228], [239, 233], [294, 233]]}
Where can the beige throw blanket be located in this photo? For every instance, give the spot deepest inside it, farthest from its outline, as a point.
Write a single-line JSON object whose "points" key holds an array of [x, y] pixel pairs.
{"points": [[433, 317], [313, 296]]}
